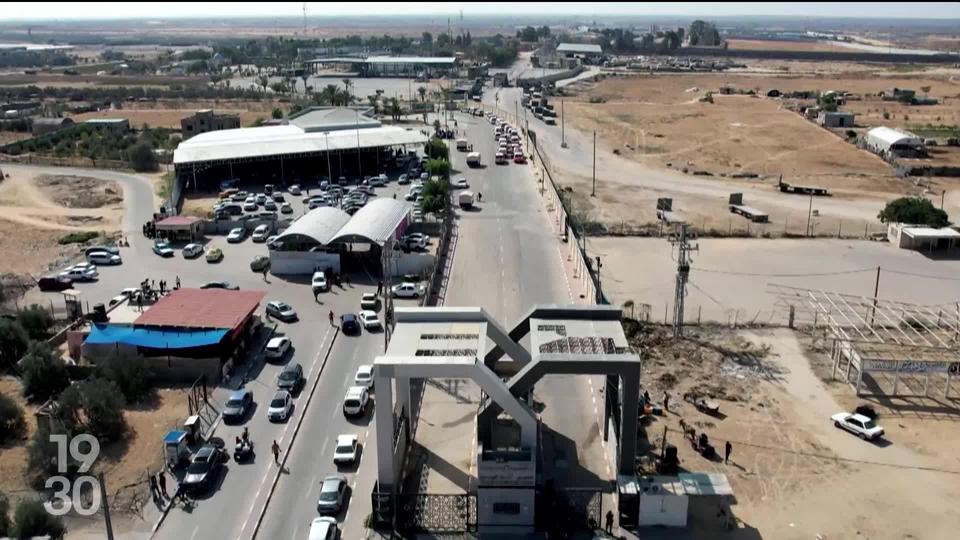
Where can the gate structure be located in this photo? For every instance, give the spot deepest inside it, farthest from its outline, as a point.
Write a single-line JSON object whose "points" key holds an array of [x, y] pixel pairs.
{"points": [[437, 513]]}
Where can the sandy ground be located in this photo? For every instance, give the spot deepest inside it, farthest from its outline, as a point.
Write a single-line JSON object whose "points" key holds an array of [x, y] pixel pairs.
{"points": [[13, 136], [169, 118], [124, 464], [765, 45], [730, 278], [790, 469]]}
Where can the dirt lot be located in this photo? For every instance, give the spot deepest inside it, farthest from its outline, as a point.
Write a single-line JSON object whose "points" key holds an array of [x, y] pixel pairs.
{"points": [[768, 45], [170, 117], [790, 468], [124, 464], [80, 191]]}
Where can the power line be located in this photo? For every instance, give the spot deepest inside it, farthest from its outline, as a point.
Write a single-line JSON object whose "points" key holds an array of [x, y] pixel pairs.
{"points": [[926, 276], [814, 274]]}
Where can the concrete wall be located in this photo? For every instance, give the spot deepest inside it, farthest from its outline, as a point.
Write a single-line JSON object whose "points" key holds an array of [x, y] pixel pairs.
{"points": [[490, 522], [412, 263], [302, 262], [839, 56], [169, 369]]}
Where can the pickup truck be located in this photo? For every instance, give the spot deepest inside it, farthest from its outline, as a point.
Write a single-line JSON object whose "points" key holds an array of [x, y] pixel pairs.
{"points": [[466, 199], [473, 159]]}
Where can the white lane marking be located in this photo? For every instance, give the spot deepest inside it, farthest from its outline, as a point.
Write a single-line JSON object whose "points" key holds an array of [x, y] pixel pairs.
{"points": [[195, 531], [326, 441], [270, 470]]}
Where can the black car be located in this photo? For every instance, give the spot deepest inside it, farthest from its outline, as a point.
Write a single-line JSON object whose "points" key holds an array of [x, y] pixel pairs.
{"points": [[349, 324], [203, 468], [237, 405], [54, 284], [290, 378]]}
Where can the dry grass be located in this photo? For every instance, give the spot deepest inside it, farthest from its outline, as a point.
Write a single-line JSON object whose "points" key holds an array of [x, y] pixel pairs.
{"points": [[769, 45], [168, 118]]}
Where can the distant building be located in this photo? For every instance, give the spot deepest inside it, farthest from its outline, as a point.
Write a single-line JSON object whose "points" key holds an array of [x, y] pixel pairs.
{"points": [[49, 125], [501, 79], [120, 125], [581, 50], [888, 142], [390, 66], [835, 119], [898, 94], [921, 237], [205, 120]]}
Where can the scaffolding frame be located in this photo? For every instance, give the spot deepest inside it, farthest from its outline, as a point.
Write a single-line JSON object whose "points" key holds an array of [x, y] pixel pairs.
{"points": [[876, 336]]}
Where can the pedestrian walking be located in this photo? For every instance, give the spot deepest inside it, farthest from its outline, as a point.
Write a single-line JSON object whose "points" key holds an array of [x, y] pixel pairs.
{"points": [[379, 286], [276, 452], [479, 197], [727, 450], [139, 302], [331, 317], [178, 282], [154, 492], [162, 480], [265, 270], [646, 397], [666, 401], [609, 524]]}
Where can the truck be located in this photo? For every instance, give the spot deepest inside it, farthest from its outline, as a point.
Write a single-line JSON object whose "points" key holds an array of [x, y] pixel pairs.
{"points": [[462, 145], [473, 159], [466, 200]]}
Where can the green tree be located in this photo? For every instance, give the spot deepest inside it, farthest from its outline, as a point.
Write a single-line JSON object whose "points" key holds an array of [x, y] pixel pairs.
{"points": [[142, 158], [98, 405], [437, 149], [14, 342], [436, 125], [44, 375], [36, 320], [12, 422], [528, 34], [395, 110], [372, 99], [277, 113], [4, 515], [131, 375], [434, 196], [31, 519], [915, 211], [438, 167]]}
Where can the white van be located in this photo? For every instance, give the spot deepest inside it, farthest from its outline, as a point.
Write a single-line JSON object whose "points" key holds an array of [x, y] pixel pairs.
{"points": [[261, 233], [462, 145]]}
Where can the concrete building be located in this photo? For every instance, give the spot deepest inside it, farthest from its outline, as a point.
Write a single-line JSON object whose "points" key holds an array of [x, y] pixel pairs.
{"points": [[898, 94], [206, 120], [43, 126], [836, 119], [921, 237], [186, 334], [390, 66], [586, 51], [119, 125], [888, 142]]}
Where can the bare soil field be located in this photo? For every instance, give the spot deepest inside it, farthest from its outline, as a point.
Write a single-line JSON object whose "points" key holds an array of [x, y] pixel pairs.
{"points": [[80, 191], [168, 118], [13, 136], [771, 45], [790, 468], [659, 121]]}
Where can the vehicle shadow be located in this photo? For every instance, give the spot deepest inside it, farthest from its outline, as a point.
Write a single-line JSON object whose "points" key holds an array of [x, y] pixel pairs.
{"points": [[361, 420], [213, 488]]}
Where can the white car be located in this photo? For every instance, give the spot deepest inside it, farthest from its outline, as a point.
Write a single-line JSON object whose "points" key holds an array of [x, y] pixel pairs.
{"points": [[236, 235], [323, 528], [347, 449], [281, 310], [191, 251], [163, 249], [103, 258], [422, 238], [286, 208], [368, 301], [80, 274], [355, 402], [369, 319], [294, 189], [379, 180], [364, 376], [460, 183], [406, 290], [319, 282], [280, 406], [277, 347], [858, 424], [317, 203], [261, 233], [417, 214]]}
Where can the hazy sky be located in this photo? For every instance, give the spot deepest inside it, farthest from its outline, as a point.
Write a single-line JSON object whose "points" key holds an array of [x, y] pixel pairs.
{"points": [[102, 10]]}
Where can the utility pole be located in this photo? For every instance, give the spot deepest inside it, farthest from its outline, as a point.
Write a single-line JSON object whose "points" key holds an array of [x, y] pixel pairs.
{"points": [[105, 504], [876, 291], [683, 273], [943, 195], [593, 191], [809, 215], [563, 131]]}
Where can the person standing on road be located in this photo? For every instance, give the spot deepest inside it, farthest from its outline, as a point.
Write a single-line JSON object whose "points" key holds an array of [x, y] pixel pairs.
{"points": [[609, 524], [379, 287], [479, 197], [727, 450], [666, 401], [331, 317], [276, 452], [162, 480], [154, 492], [178, 282]]}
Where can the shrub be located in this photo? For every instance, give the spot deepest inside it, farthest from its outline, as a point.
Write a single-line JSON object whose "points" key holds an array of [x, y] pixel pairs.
{"points": [[44, 375], [31, 519], [36, 321], [851, 134], [437, 149], [77, 237], [12, 423], [141, 157], [14, 342], [277, 113], [914, 210], [42, 455], [886, 115], [438, 167]]}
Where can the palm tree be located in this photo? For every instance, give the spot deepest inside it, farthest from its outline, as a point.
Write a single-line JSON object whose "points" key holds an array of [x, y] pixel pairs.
{"points": [[347, 84], [328, 95], [305, 77], [374, 103], [423, 92], [395, 110], [264, 82]]}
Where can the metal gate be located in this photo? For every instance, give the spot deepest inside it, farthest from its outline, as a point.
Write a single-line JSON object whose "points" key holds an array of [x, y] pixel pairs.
{"points": [[425, 512], [570, 509]]}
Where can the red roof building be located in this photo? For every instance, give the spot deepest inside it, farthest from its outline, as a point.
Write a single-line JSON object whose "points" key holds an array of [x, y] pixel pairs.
{"points": [[202, 308]]}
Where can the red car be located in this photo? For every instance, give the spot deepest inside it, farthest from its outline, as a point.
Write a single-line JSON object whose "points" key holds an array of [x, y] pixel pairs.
{"points": [[518, 158]]}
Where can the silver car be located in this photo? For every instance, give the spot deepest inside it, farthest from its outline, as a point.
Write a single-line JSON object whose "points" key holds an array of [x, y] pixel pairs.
{"points": [[332, 493]]}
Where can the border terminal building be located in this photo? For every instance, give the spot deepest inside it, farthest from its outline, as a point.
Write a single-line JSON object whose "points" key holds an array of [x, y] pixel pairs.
{"points": [[316, 142], [389, 66]]}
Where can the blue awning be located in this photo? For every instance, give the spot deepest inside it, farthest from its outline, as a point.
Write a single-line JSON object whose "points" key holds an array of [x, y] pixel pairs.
{"points": [[109, 334]]}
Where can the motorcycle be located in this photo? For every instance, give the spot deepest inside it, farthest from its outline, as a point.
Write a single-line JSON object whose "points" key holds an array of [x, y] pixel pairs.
{"points": [[243, 450]]}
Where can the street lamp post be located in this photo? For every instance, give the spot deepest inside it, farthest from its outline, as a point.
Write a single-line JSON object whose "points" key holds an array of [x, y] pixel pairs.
{"points": [[326, 140], [563, 132]]}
